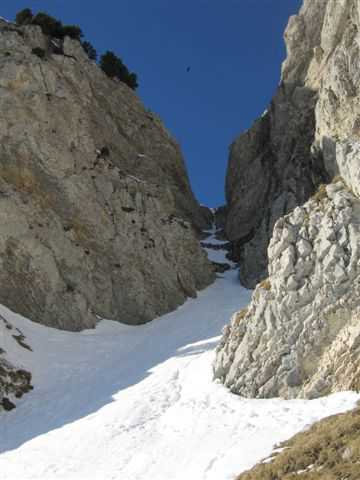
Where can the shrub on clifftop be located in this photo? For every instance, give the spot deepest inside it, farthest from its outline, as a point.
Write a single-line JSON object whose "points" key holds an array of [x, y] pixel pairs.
{"points": [[24, 16], [49, 25], [90, 50], [113, 66], [110, 63]]}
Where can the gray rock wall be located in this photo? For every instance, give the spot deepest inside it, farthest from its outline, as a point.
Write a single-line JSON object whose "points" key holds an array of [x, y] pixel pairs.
{"points": [[271, 166], [300, 335], [306, 314], [97, 214]]}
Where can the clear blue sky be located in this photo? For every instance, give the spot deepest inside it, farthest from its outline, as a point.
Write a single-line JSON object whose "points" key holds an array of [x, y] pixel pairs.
{"points": [[234, 48]]}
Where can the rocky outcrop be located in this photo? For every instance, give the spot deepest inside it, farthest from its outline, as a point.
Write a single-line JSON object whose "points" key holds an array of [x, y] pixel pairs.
{"points": [[97, 215], [14, 381], [300, 335]]}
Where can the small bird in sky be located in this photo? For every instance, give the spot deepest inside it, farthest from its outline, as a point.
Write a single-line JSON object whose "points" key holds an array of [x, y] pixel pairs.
{"points": [[188, 69]]}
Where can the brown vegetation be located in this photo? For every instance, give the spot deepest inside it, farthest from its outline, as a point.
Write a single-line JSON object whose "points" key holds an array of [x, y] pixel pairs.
{"points": [[265, 284], [329, 450], [320, 194]]}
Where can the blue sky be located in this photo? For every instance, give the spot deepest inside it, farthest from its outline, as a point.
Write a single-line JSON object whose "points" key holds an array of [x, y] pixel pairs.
{"points": [[234, 49]]}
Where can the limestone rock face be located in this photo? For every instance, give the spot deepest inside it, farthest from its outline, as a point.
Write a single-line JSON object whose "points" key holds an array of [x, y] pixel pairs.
{"points": [[300, 335], [303, 138], [271, 167], [97, 215]]}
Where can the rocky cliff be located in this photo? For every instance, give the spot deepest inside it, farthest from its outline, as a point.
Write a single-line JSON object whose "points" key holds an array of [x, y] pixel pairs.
{"points": [[300, 335], [97, 215], [272, 167]]}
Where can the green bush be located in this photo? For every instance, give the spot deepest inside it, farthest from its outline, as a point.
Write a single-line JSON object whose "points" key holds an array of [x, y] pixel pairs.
{"points": [[24, 16], [72, 31], [90, 50], [110, 63], [51, 26], [132, 81], [113, 66]]}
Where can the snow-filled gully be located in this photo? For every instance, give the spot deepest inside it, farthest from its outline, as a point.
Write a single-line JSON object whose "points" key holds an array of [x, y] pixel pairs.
{"points": [[131, 403]]}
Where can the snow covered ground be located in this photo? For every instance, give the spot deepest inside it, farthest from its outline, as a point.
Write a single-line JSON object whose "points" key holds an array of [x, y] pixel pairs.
{"points": [[131, 403]]}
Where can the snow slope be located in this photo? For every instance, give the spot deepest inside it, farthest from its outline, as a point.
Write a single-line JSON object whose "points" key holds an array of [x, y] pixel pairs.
{"points": [[130, 403]]}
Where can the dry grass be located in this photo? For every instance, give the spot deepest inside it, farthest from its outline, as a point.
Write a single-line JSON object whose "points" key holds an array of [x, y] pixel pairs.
{"points": [[265, 284], [242, 313], [329, 450], [24, 180], [337, 178], [320, 194], [240, 316]]}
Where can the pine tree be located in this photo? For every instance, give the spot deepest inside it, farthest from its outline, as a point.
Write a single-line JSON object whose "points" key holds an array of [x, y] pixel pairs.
{"points": [[72, 31], [132, 81], [54, 28], [110, 63], [49, 25], [24, 16], [113, 66], [90, 50]]}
